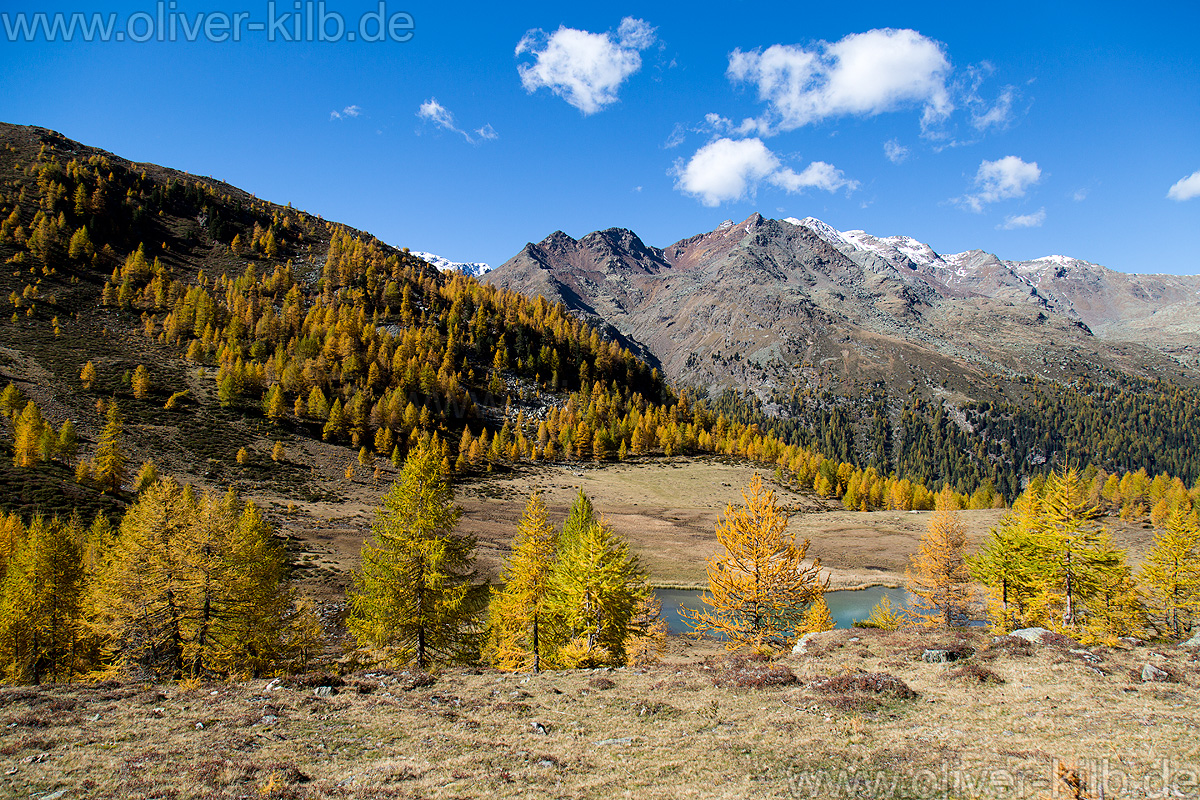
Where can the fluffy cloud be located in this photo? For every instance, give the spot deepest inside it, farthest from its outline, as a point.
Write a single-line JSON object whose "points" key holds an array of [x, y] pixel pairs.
{"points": [[346, 113], [434, 112], [581, 67], [1033, 220], [1003, 179], [817, 175], [729, 169], [1186, 188], [726, 170], [861, 75], [895, 151]]}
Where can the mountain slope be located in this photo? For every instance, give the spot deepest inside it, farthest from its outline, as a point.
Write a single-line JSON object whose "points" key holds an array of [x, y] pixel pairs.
{"points": [[1161, 311], [771, 304], [256, 324]]}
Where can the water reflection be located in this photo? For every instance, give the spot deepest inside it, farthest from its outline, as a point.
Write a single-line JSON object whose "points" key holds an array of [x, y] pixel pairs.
{"points": [[845, 605]]}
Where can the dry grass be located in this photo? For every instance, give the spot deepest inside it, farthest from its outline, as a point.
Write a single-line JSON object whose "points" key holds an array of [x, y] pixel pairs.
{"points": [[703, 724], [668, 509]]}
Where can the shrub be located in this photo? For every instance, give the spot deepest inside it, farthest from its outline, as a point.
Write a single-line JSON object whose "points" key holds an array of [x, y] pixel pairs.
{"points": [[311, 680], [880, 684], [976, 674], [752, 672], [1007, 645]]}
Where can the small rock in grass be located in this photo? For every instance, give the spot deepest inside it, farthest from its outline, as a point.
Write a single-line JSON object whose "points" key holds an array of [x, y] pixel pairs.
{"points": [[624, 740], [807, 640], [1152, 673]]}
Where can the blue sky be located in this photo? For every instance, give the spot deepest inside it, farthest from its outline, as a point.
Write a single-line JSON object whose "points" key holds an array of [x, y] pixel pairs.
{"points": [[1021, 129]]}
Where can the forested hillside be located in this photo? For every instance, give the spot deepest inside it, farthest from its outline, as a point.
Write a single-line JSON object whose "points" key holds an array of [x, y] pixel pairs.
{"points": [[1118, 423], [882, 353], [213, 317]]}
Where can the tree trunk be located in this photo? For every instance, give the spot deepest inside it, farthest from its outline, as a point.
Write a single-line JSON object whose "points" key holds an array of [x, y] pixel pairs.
{"points": [[537, 656], [1069, 611]]}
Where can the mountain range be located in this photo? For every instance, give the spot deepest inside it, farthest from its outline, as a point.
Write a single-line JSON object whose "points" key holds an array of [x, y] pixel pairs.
{"points": [[874, 351], [473, 269], [772, 304]]}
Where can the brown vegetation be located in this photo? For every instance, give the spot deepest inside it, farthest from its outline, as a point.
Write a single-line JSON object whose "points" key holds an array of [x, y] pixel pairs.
{"points": [[663, 732]]}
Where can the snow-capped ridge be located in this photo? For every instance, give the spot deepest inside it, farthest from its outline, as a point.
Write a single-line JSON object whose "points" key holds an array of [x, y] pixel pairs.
{"points": [[820, 228], [1063, 261], [471, 268]]}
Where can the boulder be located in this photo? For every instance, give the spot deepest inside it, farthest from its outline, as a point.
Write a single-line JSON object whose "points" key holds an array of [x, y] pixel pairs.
{"points": [[1192, 642], [1032, 634], [1152, 673], [938, 656], [1044, 636]]}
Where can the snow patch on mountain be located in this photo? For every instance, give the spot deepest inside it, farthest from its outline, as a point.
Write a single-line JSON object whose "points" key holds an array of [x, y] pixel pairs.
{"points": [[472, 268], [822, 229]]}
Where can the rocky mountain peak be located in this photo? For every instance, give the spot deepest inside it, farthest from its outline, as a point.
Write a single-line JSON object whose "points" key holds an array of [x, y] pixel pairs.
{"points": [[767, 303]]}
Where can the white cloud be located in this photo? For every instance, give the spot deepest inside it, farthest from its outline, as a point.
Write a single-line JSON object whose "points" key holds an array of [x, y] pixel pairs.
{"points": [[433, 111], [1079, 195], [581, 67], [729, 169], [678, 135], [726, 170], [895, 151], [1003, 179], [1033, 220], [863, 74], [999, 115], [817, 175], [347, 112], [1186, 188]]}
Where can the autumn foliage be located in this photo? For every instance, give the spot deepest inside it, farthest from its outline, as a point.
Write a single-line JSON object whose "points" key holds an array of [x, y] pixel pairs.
{"points": [[760, 586], [938, 578]]}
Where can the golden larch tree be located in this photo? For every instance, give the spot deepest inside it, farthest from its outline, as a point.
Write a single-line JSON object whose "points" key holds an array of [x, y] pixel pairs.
{"points": [[1081, 557], [193, 584], [1170, 575], [759, 587], [596, 588], [818, 618], [40, 621], [141, 382], [108, 467], [28, 428], [517, 610], [413, 597], [938, 577], [1007, 565]]}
